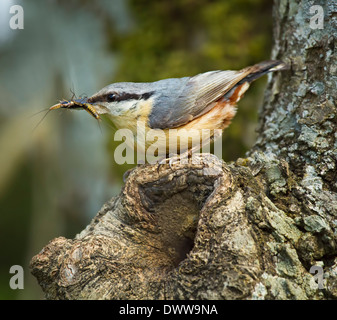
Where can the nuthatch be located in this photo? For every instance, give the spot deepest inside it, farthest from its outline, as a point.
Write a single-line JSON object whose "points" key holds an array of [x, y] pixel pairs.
{"points": [[205, 101]]}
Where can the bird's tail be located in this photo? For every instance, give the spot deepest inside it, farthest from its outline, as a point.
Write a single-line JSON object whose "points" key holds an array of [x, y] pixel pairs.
{"points": [[258, 70]]}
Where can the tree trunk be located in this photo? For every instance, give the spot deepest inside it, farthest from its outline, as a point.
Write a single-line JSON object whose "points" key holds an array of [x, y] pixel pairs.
{"points": [[248, 230]]}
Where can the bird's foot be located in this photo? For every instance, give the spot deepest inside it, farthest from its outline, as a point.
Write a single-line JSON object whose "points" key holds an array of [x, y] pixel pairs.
{"points": [[175, 159], [127, 173]]}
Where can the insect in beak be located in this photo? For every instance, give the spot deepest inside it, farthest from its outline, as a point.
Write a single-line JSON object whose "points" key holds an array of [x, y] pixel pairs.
{"points": [[77, 104]]}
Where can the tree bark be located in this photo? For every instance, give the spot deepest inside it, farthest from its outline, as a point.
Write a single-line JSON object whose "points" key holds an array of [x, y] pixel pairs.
{"points": [[246, 230]]}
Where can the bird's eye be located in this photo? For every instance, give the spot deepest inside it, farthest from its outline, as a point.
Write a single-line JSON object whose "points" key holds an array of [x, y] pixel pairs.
{"points": [[111, 97]]}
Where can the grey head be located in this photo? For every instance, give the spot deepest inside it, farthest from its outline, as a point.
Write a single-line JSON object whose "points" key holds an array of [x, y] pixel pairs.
{"points": [[119, 97]]}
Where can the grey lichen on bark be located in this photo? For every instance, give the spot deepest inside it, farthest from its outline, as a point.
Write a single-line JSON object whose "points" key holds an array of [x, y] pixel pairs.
{"points": [[209, 230], [301, 130]]}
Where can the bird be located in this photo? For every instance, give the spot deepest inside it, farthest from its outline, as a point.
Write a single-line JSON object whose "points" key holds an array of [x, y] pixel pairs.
{"points": [[171, 109]]}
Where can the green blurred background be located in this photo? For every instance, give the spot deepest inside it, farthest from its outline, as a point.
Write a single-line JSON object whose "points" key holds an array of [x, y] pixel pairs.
{"points": [[56, 176]]}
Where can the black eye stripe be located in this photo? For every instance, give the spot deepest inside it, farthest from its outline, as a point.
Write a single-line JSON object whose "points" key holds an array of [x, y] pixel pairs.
{"points": [[129, 96], [123, 96]]}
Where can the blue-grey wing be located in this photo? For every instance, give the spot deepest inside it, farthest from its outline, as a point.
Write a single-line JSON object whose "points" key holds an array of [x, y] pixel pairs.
{"points": [[182, 100]]}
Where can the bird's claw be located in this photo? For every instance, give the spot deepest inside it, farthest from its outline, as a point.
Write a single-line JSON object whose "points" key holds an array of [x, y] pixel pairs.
{"points": [[127, 173], [180, 159]]}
